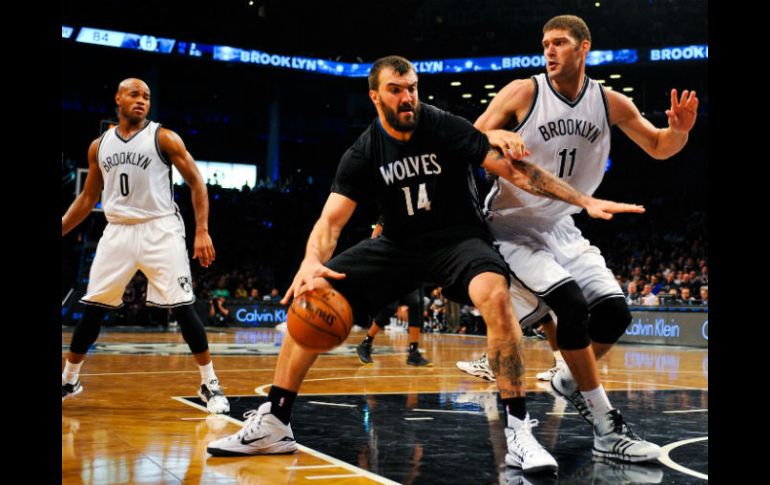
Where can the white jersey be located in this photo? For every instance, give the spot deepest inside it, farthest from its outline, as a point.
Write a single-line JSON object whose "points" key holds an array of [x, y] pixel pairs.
{"points": [[568, 139], [137, 178]]}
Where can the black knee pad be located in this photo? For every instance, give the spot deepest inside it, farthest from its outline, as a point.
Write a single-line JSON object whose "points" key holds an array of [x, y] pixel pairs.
{"points": [[87, 329], [571, 309], [192, 328], [609, 319]]}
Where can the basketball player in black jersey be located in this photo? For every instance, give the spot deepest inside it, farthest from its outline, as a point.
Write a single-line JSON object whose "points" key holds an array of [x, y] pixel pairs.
{"points": [[416, 162]]}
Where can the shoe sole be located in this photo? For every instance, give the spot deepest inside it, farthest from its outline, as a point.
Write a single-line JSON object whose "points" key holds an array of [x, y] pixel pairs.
{"points": [[365, 362], [429, 364], [72, 394], [219, 452], [537, 469], [624, 458]]}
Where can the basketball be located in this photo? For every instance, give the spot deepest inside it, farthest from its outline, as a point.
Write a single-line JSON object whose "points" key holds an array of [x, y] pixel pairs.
{"points": [[320, 319]]}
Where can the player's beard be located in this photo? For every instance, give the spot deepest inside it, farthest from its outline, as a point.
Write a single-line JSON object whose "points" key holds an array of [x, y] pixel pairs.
{"points": [[393, 119]]}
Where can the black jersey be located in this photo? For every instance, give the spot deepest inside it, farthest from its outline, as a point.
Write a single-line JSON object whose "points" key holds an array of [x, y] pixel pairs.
{"points": [[424, 188]]}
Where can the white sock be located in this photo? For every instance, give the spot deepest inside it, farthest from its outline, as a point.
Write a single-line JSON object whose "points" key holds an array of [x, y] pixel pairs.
{"points": [[71, 371], [557, 357], [597, 401], [207, 371]]}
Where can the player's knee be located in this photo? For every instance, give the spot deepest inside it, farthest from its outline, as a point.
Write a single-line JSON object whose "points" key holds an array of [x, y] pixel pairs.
{"points": [[87, 330], [609, 319], [192, 328], [571, 309]]}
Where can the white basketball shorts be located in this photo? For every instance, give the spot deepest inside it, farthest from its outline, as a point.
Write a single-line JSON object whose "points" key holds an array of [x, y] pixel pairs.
{"points": [[157, 248], [543, 255]]}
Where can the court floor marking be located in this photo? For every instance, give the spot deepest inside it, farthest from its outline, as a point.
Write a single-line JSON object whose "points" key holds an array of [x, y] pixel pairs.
{"points": [[359, 472], [666, 459]]}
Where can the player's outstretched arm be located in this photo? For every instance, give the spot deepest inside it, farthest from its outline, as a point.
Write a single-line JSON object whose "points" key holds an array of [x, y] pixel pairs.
{"points": [[535, 180]]}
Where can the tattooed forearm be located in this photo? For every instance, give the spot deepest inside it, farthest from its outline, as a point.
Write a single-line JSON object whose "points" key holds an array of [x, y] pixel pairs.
{"points": [[542, 183]]}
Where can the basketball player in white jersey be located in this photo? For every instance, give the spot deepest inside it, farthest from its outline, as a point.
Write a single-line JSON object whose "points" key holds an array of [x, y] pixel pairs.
{"points": [[564, 120], [132, 163]]}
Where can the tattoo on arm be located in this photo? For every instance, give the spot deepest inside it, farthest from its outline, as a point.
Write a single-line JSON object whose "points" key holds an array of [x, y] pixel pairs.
{"points": [[545, 184]]}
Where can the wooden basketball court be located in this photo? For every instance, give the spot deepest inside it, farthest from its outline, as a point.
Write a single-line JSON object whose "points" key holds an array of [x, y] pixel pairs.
{"points": [[137, 420]]}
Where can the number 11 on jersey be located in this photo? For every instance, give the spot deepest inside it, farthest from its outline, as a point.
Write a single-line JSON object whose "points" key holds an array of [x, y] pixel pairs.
{"points": [[422, 199]]}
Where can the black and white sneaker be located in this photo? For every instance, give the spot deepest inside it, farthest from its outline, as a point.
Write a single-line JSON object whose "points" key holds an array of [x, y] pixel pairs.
{"points": [[477, 368], [262, 434], [364, 351], [69, 391], [523, 449], [211, 393], [415, 358], [567, 388], [614, 439]]}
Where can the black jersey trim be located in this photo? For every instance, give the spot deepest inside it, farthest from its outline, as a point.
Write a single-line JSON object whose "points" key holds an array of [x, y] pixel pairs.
{"points": [[495, 191], [99, 147], [606, 105], [566, 101], [157, 147], [124, 140], [531, 106]]}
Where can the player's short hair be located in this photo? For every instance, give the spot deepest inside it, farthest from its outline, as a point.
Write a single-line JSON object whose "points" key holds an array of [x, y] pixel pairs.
{"points": [[399, 64], [576, 26]]}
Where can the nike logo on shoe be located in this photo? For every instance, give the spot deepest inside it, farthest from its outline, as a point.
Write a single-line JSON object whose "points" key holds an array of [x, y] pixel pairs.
{"points": [[244, 441]]}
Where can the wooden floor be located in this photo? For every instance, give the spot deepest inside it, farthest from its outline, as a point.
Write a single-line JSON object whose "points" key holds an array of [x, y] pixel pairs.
{"points": [[126, 426]]}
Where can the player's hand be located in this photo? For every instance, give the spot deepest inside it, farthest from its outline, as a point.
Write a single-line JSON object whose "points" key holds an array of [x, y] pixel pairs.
{"points": [[510, 143], [304, 279], [682, 114], [203, 249], [604, 209]]}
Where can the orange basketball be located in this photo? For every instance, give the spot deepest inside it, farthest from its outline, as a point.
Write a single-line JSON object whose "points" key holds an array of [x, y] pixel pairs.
{"points": [[320, 319]]}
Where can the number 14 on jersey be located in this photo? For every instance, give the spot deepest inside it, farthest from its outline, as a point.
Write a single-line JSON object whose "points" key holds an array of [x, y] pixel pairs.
{"points": [[422, 199]]}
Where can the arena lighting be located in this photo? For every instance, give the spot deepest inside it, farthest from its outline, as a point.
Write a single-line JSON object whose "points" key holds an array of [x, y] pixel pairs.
{"points": [[627, 89], [467, 95], [161, 45], [614, 76], [455, 83], [489, 86]]}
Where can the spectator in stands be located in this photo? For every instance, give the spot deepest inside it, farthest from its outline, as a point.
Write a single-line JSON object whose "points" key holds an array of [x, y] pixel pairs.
{"points": [[704, 295], [240, 292], [686, 298], [254, 295], [219, 314], [633, 297], [648, 297]]}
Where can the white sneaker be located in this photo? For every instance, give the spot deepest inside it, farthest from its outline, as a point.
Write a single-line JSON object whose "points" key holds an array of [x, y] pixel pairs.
{"points": [[613, 438], [262, 434], [523, 449], [211, 393], [566, 387], [68, 391], [548, 375], [477, 368]]}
